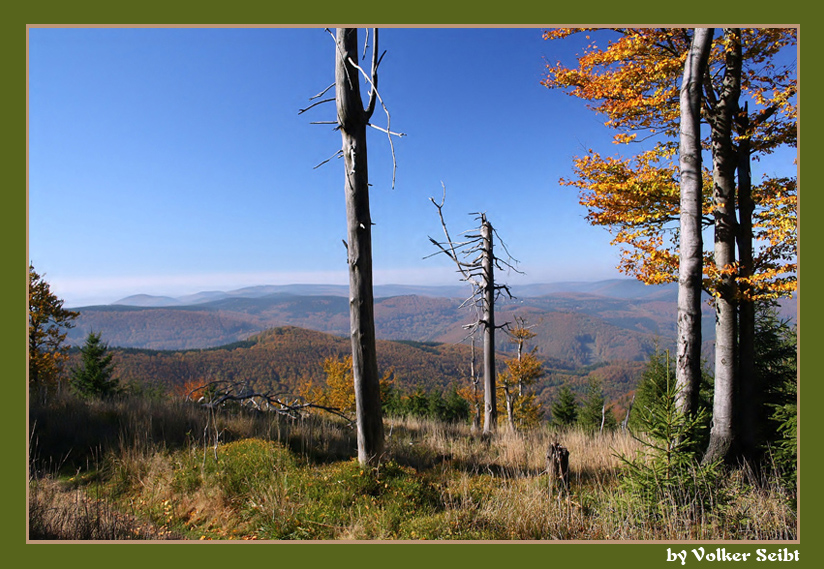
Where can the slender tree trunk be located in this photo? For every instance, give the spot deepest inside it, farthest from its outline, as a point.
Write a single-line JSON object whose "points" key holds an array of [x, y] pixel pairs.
{"points": [[488, 270], [352, 119], [690, 269], [722, 444], [749, 407], [476, 419], [510, 407]]}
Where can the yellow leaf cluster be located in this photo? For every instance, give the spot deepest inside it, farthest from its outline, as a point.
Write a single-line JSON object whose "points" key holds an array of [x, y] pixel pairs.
{"points": [[339, 391]]}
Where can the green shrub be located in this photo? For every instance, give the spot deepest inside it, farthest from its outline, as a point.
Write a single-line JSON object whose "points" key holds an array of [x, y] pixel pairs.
{"points": [[665, 478]]}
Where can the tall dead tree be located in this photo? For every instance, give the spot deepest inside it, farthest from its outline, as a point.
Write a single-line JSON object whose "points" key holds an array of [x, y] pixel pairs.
{"points": [[352, 120], [476, 261], [691, 254]]}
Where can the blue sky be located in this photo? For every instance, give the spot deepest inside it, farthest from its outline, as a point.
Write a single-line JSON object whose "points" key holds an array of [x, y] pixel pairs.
{"points": [[170, 161]]}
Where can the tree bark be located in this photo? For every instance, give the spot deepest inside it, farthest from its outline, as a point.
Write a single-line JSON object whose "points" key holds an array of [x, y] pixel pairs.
{"points": [[722, 444], [691, 259], [488, 285], [352, 119], [476, 418], [510, 408], [748, 417]]}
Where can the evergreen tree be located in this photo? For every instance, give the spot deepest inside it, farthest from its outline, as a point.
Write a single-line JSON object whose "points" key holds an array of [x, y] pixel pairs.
{"points": [[456, 408], [658, 373], [666, 476], [776, 369], [658, 379], [594, 415], [94, 377], [564, 409]]}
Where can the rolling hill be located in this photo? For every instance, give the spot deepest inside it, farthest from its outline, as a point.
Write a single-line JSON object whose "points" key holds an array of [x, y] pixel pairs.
{"points": [[280, 359], [592, 323]]}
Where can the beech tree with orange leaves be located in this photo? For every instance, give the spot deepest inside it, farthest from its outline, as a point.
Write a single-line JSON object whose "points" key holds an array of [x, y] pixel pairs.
{"points": [[688, 345], [749, 105]]}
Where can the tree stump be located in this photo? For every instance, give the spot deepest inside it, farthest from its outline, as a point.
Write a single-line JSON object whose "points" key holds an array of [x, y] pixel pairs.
{"points": [[557, 467]]}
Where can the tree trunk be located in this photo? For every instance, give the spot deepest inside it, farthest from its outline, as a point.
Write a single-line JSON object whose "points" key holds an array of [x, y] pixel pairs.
{"points": [[749, 407], [722, 444], [352, 119], [488, 270], [476, 419], [509, 397], [691, 259]]}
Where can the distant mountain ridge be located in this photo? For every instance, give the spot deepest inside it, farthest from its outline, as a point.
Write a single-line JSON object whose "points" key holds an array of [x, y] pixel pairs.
{"points": [[591, 323], [613, 288]]}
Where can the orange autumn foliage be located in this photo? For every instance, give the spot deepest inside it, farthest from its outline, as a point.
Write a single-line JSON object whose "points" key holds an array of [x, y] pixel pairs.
{"points": [[634, 81]]}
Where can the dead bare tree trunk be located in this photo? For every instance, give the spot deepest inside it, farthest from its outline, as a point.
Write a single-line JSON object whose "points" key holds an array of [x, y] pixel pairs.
{"points": [[353, 119], [691, 254], [488, 322], [476, 418], [480, 273]]}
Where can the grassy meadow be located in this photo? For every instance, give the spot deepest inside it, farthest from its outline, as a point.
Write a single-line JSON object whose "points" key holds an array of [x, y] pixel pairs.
{"points": [[158, 469]]}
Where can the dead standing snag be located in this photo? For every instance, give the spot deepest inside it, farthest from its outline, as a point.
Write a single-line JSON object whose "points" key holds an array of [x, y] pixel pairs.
{"points": [[476, 261], [352, 120]]}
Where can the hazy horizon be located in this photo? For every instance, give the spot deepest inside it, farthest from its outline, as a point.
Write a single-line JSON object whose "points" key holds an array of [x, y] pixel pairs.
{"points": [[78, 299]]}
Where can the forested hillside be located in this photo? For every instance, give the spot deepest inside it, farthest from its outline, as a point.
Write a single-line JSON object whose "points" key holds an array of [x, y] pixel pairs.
{"points": [[279, 359]]}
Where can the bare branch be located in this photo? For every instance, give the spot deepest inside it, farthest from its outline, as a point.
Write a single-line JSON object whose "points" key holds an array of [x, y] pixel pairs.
{"points": [[337, 154], [370, 107], [365, 43], [321, 93], [301, 111], [453, 255], [374, 95], [376, 127], [235, 391]]}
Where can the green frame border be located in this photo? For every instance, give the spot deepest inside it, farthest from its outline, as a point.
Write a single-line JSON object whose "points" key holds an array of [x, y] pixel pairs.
{"points": [[308, 555]]}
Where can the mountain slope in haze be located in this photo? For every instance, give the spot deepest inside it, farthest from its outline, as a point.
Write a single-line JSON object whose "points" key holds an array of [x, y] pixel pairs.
{"points": [[577, 328], [569, 336], [616, 288]]}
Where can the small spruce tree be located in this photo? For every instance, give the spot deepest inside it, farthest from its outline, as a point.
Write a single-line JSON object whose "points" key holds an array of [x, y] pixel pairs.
{"points": [[776, 369], [657, 375], [594, 415], [95, 375], [666, 476], [565, 409]]}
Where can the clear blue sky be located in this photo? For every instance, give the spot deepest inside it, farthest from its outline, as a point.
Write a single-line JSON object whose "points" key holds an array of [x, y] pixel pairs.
{"points": [[170, 161]]}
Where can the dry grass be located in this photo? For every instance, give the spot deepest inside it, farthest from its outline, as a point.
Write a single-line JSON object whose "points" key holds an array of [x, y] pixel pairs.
{"points": [[62, 511], [297, 480]]}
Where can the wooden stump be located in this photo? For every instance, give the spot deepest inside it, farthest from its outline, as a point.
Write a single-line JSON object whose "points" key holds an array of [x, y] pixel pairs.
{"points": [[557, 467]]}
